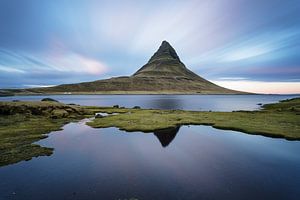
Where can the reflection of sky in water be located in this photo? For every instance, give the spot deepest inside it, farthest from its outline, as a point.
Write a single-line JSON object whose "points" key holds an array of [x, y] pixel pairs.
{"points": [[185, 102], [200, 162]]}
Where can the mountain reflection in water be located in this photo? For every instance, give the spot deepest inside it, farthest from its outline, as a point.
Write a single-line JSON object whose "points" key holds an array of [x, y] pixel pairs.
{"points": [[166, 136], [166, 102], [201, 163]]}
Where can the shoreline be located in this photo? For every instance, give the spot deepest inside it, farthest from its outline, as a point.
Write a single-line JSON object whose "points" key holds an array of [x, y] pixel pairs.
{"points": [[25, 122], [133, 94]]}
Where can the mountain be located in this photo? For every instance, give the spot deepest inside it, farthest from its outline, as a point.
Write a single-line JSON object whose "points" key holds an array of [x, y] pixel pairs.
{"points": [[164, 73], [165, 63]]}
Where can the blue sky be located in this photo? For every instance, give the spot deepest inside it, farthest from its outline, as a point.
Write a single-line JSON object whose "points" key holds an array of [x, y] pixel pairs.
{"points": [[240, 44]]}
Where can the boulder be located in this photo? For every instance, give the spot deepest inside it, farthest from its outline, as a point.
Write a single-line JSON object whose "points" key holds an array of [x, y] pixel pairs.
{"points": [[49, 99], [98, 115]]}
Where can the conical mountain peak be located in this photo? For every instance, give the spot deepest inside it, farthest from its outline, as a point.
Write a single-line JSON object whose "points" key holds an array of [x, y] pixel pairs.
{"points": [[165, 51], [163, 74], [165, 63]]}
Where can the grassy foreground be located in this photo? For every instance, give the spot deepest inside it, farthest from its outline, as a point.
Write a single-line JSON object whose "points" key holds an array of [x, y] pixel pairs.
{"points": [[23, 123]]}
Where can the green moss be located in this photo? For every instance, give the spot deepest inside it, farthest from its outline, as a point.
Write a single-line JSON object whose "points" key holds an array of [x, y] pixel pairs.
{"points": [[23, 123], [18, 133], [292, 105]]}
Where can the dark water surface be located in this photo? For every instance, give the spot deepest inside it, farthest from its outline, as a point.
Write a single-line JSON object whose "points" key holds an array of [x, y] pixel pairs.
{"points": [[184, 102], [197, 162]]}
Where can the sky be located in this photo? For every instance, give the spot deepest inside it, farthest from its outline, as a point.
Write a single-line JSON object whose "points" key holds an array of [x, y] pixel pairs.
{"points": [[241, 44]]}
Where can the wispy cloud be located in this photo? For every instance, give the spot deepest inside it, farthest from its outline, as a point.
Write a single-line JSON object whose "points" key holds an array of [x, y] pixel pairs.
{"points": [[37, 86], [233, 78], [61, 41], [72, 62], [65, 61], [11, 70], [254, 47]]}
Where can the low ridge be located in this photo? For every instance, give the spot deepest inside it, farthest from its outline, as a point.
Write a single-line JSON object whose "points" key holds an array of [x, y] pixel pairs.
{"points": [[164, 73]]}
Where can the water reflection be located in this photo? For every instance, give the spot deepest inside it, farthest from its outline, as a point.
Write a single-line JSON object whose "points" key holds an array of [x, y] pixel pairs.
{"points": [[166, 102], [166, 136], [201, 163], [184, 102]]}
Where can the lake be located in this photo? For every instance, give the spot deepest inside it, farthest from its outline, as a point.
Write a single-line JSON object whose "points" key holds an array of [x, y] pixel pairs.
{"points": [[184, 102], [187, 162]]}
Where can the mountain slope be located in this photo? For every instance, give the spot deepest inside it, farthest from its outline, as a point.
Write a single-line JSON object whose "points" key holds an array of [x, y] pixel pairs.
{"points": [[163, 74]]}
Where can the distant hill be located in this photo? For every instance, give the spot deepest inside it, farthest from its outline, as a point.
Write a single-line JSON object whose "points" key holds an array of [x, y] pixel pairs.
{"points": [[163, 74]]}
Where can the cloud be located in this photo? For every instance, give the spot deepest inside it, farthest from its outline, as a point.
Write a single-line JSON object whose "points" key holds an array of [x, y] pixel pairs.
{"points": [[64, 61], [260, 45], [254, 48], [233, 78], [37, 86], [11, 70], [72, 62], [245, 53], [183, 23], [19, 69], [59, 41], [261, 86]]}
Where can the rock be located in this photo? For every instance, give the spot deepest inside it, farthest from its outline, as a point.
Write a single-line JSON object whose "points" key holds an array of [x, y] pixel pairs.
{"points": [[15, 100], [115, 106], [136, 107], [49, 99], [259, 104], [98, 115]]}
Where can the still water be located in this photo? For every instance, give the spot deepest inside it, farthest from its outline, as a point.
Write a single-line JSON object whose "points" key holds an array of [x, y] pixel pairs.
{"points": [[197, 162], [184, 102], [187, 162]]}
